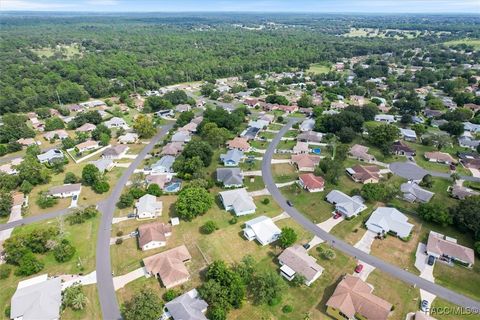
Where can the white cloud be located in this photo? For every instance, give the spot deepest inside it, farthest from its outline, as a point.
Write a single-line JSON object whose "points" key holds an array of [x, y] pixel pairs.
{"points": [[12, 5], [102, 2]]}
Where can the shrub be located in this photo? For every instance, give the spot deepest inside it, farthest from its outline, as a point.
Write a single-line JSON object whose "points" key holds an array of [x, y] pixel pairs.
{"points": [[119, 233], [28, 265], [234, 220], [101, 187], [74, 298], [287, 308], [209, 227], [45, 201], [70, 177], [266, 201], [126, 200], [5, 271], [169, 295], [64, 251], [7, 311], [119, 241]]}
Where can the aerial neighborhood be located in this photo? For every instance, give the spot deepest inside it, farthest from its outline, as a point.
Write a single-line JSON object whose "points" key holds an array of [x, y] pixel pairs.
{"points": [[344, 186]]}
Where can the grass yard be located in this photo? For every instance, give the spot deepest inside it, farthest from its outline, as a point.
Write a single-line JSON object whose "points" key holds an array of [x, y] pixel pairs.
{"points": [[275, 126], [312, 205], [91, 311], [283, 172], [68, 51], [319, 68], [467, 41], [462, 280], [286, 144], [256, 184], [444, 310], [259, 144], [404, 297], [251, 165]]}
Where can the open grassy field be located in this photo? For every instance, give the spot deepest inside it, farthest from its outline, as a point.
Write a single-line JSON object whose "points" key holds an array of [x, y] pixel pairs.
{"points": [[319, 68], [283, 172], [462, 280], [67, 51], [468, 41], [443, 310]]}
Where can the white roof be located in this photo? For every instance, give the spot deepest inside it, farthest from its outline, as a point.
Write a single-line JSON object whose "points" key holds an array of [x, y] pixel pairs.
{"points": [[238, 199], [37, 298], [148, 203], [408, 133], [350, 205], [264, 229], [389, 219]]}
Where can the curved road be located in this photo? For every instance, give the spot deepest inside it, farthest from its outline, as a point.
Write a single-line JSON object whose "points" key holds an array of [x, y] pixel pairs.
{"points": [[106, 291], [346, 248]]}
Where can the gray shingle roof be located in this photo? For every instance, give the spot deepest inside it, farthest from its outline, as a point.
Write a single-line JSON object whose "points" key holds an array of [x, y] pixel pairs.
{"points": [[230, 176], [188, 306]]}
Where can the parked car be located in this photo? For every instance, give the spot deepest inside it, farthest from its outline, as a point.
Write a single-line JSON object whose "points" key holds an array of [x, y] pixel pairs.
{"points": [[424, 305], [134, 234], [75, 197], [431, 260], [306, 246], [359, 268], [290, 203], [453, 167], [337, 215], [131, 215]]}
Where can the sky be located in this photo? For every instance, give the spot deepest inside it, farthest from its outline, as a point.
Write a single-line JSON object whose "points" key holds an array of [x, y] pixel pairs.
{"points": [[327, 6]]}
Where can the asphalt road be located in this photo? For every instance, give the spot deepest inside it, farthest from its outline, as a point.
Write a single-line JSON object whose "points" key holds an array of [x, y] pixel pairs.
{"points": [[346, 248], [34, 219], [106, 291]]}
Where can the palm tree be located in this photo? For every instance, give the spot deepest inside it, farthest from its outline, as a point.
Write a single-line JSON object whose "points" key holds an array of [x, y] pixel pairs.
{"points": [[79, 301]]}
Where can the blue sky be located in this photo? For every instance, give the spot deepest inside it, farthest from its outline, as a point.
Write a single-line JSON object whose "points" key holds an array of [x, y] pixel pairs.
{"points": [[360, 6]]}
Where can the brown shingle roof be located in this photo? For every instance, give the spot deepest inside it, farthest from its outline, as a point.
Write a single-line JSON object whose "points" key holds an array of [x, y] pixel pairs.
{"points": [[169, 265], [306, 160], [364, 173], [439, 156], [312, 181], [297, 258], [437, 244], [353, 295], [238, 143], [155, 231]]}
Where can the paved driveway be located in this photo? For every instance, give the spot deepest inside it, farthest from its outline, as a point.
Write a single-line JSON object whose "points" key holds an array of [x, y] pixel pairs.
{"points": [[120, 281], [365, 244]]}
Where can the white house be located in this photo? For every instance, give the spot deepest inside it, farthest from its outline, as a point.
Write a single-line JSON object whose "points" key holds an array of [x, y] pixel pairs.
{"points": [[65, 191], [387, 118], [262, 229], [345, 205], [408, 134], [148, 207], [307, 125], [384, 220], [116, 122], [128, 137], [238, 201]]}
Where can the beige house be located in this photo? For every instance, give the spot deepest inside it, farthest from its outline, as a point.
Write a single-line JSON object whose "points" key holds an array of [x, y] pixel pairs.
{"points": [[305, 162], [296, 261], [169, 266], [446, 248], [153, 235], [364, 174], [360, 153]]}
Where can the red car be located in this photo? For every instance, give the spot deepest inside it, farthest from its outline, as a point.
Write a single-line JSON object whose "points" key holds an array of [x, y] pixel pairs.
{"points": [[359, 268], [337, 215]]}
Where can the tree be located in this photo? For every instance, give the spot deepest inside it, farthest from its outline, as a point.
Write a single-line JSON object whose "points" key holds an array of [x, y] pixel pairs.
{"points": [[170, 294], [267, 287], [155, 103], [73, 297], [209, 227], [199, 148], [5, 271], [154, 189], [287, 237], [214, 135], [188, 168], [192, 202], [455, 128], [145, 305], [331, 169], [184, 118], [427, 181], [126, 200], [346, 135], [476, 246], [101, 186], [33, 150], [378, 191], [45, 201], [435, 212], [70, 177], [143, 125], [90, 175], [6, 202], [305, 101], [383, 136], [54, 123], [26, 187], [28, 265], [101, 130], [466, 215], [277, 99], [33, 171], [137, 192], [64, 251]]}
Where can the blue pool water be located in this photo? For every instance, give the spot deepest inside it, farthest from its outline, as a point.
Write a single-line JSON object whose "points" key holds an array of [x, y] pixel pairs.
{"points": [[173, 187], [317, 150]]}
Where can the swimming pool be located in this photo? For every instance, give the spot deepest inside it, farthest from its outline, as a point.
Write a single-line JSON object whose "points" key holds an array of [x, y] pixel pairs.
{"points": [[317, 150], [173, 187]]}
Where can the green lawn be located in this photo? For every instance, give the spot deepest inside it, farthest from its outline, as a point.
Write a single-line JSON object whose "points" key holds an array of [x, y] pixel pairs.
{"points": [[443, 310], [319, 68], [256, 184], [284, 172], [459, 279], [471, 42]]}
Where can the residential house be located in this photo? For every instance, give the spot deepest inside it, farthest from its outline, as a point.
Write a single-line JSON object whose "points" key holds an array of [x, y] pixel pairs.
{"points": [[172, 149], [65, 191], [400, 148], [238, 201], [262, 229], [307, 125], [472, 127], [128, 138], [165, 113], [358, 101], [189, 127], [27, 142], [353, 299], [88, 145], [37, 298], [267, 117], [50, 156], [412, 192], [301, 147], [469, 143], [153, 235], [8, 168], [164, 165], [250, 133], [169, 266], [92, 104], [159, 179], [197, 120], [345, 205], [232, 158], [252, 103], [310, 136], [364, 174], [56, 134], [115, 152], [183, 108], [389, 220], [288, 109], [230, 177], [360, 153], [440, 157], [181, 136], [311, 182], [116, 122], [188, 306], [438, 123], [259, 124], [305, 162], [338, 105], [430, 113], [148, 207], [387, 118], [408, 135], [472, 106], [75, 108], [446, 248], [239, 144], [296, 260], [103, 164], [461, 192], [87, 127]]}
